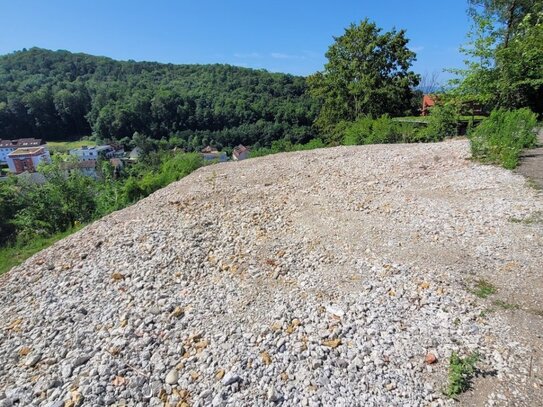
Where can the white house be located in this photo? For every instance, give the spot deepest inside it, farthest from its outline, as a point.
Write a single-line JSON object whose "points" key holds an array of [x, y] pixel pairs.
{"points": [[93, 153], [9, 146], [27, 159]]}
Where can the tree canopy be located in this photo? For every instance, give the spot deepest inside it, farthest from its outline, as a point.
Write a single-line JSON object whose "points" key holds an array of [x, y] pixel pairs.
{"points": [[59, 94], [504, 64], [367, 73]]}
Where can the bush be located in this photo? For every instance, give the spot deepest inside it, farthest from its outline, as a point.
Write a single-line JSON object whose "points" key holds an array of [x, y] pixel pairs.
{"points": [[442, 123], [381, 131], [283, 146], [500, 138]]}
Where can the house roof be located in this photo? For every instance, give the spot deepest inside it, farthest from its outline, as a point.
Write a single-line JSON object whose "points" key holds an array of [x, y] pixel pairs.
{"points": [[22, 142], [240, 149], [27, 151], [209, 150], [116, 162], [80, 164]]}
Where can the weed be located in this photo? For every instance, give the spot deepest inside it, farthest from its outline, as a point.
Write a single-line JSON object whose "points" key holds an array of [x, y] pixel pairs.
{"points": [[484, 288], [505, 305], [11, 256], [461, 371], [533, 184], [534, 218]]}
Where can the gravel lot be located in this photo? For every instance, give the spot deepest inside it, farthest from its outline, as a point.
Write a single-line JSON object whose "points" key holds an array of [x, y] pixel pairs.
{"points": [[328, 277]]}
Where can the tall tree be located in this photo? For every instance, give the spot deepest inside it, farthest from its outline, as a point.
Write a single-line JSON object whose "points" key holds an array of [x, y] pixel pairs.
{"points": [[367, 73], [508, 13], [504, 65]]}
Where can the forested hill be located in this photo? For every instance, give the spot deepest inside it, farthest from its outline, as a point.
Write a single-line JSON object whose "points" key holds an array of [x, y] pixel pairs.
{"points": [[59, 94]]}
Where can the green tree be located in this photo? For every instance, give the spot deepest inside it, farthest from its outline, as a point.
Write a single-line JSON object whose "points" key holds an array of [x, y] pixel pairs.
{"points": [[509, 14], [504, 68], [367, 73], [520, 68]]}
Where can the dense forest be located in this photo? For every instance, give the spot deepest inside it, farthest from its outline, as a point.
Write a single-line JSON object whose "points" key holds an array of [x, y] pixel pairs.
{"points": [[58, 95]]}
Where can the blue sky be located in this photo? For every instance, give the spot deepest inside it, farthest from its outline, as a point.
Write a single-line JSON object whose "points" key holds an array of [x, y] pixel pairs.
{"points": [[280, 36]]}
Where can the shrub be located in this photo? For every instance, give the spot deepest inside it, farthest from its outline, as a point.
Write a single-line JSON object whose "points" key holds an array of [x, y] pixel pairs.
{"points": [[442, 123], [358, 131], [500, 138], [380, 131], [282, 146]]}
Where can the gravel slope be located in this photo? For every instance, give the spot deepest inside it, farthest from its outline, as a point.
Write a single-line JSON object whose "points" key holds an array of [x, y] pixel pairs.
{"points": [[326, 277]]}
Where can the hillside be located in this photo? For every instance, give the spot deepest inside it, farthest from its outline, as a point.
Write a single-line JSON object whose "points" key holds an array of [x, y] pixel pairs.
{"points": [[325, 277], [59, 94]]}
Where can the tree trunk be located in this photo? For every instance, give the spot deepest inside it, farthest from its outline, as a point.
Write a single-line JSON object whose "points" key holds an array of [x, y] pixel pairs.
{"points": [[510, 19]]}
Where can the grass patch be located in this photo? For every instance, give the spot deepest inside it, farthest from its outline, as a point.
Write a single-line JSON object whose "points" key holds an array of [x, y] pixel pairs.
{"points": [[65, 146], [461, 371], [484, 288], [15, 255], [531, 183], [534, 218], [505, 305]]}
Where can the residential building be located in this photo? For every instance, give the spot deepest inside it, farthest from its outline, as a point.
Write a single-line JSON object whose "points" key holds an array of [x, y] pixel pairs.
{"points": [[240, 153], [428, 101], [135, 154], [93, 153], [87, 158], [85, 167], [27, 159], [9, 146]]}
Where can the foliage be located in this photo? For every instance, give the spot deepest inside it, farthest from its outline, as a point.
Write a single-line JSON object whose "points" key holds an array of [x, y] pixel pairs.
{"points": [[501, 137], [66, 198], [33, 212], [442, 122], [504, 64], [12, 255], [58, 95], [508, 14], [282, 146], [477, 80], [170, 170], [520, 67], [484, 288], [461, 371], [367, 73]]}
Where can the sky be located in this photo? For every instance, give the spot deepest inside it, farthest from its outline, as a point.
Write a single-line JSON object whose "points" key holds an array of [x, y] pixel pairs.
{"points": [[280, 36]]}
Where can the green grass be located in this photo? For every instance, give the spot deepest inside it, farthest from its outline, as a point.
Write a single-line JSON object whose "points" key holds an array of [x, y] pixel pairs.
{"points": [[484, 288], [65, 146], [531, 183], [532, 219], [424, 119], [461, 371], [505, 305], [15, 255]]}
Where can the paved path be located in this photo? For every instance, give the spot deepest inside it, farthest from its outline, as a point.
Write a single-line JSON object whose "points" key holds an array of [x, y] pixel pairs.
{"points": [[531, 164]]}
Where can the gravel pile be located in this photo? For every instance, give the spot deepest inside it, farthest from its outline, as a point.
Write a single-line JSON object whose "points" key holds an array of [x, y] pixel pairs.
{"points": [[331, 277]]}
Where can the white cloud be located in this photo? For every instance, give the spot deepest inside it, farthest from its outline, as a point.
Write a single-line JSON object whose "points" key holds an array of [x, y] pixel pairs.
{"points": [[249, 55], [281, 55]]}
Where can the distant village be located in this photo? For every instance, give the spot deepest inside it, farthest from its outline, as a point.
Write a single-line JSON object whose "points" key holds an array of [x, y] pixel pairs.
{"points": [[23, 156]]}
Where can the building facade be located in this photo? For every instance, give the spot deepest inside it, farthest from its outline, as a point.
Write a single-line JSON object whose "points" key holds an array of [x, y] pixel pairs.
{"points": [[93, 153], [27, 159], [9, 146]]}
